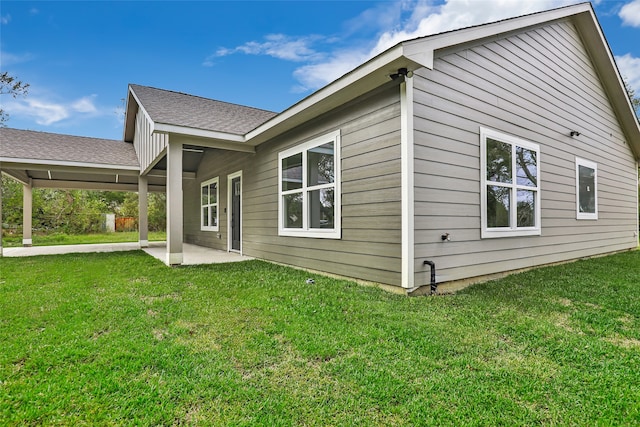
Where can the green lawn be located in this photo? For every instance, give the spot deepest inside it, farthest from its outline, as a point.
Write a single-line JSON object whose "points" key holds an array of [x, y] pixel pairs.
{"points": [[79, 239], [120, 339]]}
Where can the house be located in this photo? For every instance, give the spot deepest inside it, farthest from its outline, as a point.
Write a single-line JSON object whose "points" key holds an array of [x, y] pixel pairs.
{"points": [[446, 158]]}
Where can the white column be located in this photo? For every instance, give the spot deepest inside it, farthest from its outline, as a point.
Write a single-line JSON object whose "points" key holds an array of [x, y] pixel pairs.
{"points": [[174, 203], [143, 212], [406, 161], [27, 214]]}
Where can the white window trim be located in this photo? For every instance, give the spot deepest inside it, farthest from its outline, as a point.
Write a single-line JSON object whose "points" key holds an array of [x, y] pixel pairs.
{"points": [[513, 231], [594, 166], [215, 180], [305, 231]]}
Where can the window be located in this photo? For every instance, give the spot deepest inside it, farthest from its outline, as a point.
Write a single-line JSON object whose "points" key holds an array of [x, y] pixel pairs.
{"points": [[309, 189], [209, 205], [510, 192], [586, 189]]}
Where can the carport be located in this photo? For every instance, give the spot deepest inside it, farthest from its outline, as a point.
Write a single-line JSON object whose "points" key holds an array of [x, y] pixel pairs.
{"points": [[48, 160]]}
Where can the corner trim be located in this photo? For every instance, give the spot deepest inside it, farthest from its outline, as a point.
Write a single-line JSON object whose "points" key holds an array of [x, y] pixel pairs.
{"points": [[407, 192]]}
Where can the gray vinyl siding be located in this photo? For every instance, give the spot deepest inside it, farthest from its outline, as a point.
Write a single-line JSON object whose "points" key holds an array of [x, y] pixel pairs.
{"points": [[537, 85], [370, 158]]}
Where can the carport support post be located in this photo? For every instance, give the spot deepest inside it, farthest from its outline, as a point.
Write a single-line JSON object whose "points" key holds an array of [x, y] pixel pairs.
{"points": [[27, 214], [143, 212], [174, 203]]}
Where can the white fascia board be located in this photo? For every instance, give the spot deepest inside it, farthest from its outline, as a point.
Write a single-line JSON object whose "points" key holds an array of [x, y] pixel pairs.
{"points": [[483, 31], [600, 52], [201, 133], [47, 164]]}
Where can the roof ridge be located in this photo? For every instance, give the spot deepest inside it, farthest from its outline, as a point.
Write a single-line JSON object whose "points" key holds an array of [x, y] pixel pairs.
{"points": [[202, 97]]}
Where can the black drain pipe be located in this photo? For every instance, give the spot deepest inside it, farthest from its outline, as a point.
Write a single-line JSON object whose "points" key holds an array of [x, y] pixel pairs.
{"points": [[434, 286]]}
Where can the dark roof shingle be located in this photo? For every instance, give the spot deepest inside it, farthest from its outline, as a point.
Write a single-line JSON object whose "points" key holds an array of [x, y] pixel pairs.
{"points": [[180, 109], [44, 146]]}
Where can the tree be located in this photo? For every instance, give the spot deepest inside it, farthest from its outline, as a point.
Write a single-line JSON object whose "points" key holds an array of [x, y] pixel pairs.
{"points": [[635, 99], [157, 209], [11, 190], [9, 85], [11, 203]]}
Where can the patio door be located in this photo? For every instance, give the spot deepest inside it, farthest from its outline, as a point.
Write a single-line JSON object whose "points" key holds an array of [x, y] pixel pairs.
{"points": [[235, 211]]}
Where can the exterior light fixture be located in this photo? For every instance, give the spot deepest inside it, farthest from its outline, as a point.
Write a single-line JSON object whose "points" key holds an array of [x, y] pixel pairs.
{"points": [[402, 72]]}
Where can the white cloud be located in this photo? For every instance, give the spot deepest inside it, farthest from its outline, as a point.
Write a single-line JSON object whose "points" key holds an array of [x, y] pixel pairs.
{"points": [[9, 59], [120, 113], [630, 13], [316, 75], [630, 69], [4, 20], [395, 21], [85, 105], [425, 18], [453, 14], [45, 112], [296, 49]]}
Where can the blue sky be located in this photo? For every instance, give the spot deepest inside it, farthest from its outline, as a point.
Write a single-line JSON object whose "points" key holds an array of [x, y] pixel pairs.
{"points": [[79, 57]]}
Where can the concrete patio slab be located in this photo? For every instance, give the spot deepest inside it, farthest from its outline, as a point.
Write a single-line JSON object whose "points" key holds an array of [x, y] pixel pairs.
{"points": [[192, 254], [69, 249]]}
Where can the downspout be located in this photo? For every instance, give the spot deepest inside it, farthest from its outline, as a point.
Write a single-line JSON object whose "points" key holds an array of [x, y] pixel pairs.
{"points": [[434, 285]]}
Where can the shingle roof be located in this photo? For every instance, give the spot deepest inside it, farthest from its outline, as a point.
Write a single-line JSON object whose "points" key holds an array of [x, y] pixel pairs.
{"points": [[43, 146], [180, 109]]}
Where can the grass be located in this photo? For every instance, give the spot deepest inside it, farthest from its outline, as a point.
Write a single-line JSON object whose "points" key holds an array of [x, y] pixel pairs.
{"points": [[120, 339], [79, 239]]}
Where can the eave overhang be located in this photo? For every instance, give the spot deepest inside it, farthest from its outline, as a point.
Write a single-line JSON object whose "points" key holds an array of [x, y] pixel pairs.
{"points": [[38, 164]]}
